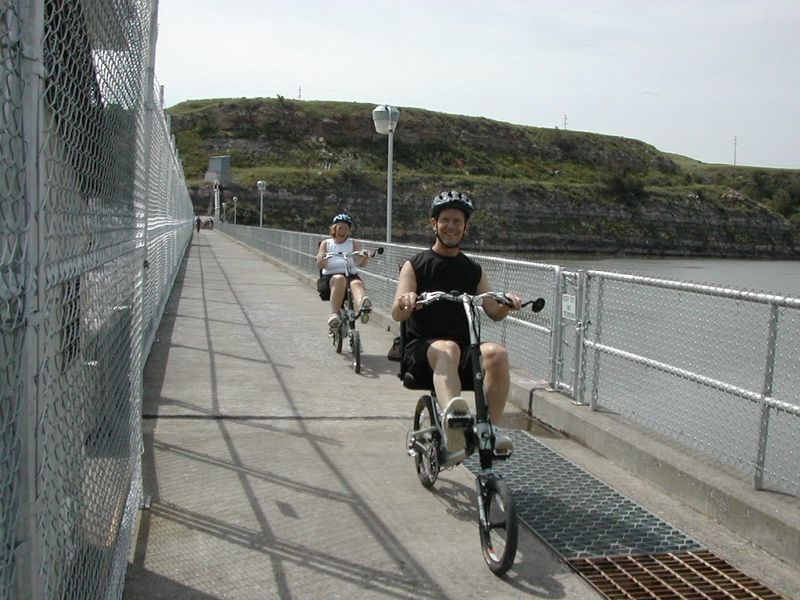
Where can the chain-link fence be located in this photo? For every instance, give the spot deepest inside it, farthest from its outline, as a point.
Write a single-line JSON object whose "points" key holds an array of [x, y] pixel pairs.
{"points": [[94, 221], [714, 369]]}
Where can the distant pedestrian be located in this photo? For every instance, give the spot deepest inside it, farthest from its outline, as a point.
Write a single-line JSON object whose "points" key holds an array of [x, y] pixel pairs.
{"points": [[197, 223]]}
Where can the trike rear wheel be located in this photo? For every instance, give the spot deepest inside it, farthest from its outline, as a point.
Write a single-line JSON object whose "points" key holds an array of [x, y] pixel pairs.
{"points": [[426, 459], [498, 527]]}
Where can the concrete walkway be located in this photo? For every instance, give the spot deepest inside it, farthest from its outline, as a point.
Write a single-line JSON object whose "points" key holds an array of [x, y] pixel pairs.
{"points": [[277, 472]]}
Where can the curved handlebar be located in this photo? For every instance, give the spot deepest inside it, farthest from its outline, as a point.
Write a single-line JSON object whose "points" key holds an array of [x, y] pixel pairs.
{"points": [[367, 253], [427, 297]]}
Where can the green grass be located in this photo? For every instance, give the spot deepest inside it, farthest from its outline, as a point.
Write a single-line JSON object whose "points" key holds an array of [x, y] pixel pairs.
{"points": [[284, 141]]}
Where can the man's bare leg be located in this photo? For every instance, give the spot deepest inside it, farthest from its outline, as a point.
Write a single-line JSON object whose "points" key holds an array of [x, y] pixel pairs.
{"points": [[444, 357], [497, 379]]}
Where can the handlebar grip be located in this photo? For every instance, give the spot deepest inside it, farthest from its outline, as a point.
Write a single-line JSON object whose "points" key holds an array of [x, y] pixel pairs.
{"points": [[536, 305]]}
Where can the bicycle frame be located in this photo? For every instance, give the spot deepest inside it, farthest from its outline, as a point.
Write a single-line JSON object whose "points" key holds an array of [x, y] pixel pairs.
{"points": [[483, 428]]}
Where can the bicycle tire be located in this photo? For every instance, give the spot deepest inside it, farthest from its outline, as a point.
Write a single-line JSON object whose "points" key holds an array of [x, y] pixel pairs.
{"points": [[426, 460], [498, 527], [338, 339], [355, 346]]}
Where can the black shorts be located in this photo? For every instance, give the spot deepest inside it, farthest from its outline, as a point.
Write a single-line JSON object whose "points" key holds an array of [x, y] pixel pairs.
{"points": [[415, 362], [324, 284]]}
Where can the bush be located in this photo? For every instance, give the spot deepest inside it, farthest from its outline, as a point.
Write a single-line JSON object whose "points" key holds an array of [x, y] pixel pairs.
{"points": [[624, 186], [351, 168]]}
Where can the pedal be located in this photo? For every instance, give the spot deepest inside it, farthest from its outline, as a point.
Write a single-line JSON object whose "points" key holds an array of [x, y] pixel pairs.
{"points": [[460, 421], [503, 455]]}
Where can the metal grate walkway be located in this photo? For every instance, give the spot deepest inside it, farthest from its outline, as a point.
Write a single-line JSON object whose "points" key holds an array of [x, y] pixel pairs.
{"points": [[621, 548]]}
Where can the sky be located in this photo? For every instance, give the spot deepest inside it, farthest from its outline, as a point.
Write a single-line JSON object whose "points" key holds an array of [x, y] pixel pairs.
{"points": [[715, 80]]}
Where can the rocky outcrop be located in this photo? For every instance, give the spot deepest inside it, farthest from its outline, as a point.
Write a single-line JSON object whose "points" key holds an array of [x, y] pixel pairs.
{"points": [[538, 218], [535, 189]]}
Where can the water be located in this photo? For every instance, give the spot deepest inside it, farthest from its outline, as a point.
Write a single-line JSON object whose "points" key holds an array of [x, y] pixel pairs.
{"points": [[780, 277]]}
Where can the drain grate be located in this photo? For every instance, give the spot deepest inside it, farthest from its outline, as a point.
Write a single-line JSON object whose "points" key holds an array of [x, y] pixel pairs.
{"points": [[688, 575]]}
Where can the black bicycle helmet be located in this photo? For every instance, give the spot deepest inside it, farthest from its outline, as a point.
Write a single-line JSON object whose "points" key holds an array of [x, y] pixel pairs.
{"points": [[451, 200], [342, 218]]}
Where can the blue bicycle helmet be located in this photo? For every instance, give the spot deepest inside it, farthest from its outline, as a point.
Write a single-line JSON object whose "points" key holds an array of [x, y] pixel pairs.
{"points": [[451, 200], [342, 218]]}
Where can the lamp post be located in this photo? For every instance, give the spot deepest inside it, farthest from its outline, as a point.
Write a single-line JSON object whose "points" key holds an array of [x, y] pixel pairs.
{"points": [[385, 118], [262, 185], [235, 200], [216, 199]]}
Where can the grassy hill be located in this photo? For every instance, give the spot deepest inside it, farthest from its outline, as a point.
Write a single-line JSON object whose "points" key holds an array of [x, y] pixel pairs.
{"points": [[535, 188]]}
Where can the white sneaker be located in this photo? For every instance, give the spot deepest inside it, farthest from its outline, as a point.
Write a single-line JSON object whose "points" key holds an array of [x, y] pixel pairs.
{"points": [[334, 321], [502, 443], [454, 437]]}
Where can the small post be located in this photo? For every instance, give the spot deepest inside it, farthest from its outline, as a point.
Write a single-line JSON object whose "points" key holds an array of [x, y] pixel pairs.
{"points": [[262, 185], [766, 392]]}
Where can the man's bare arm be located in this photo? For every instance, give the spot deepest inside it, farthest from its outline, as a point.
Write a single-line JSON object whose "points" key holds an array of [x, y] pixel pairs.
{"points": [[406, 296]]}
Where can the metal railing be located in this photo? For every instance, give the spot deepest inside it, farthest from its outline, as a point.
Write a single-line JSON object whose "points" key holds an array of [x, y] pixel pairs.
{"points": [[712, 368], [94, 221]]}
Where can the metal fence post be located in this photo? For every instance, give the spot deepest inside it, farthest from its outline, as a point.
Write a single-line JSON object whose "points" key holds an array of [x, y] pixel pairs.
{"points": [[597, 328], [556, 330], [29, 578], [766, 392], [578, 369]]}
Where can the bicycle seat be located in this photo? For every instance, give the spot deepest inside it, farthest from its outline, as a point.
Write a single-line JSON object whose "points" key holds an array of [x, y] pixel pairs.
{"points": [[410, 382]]}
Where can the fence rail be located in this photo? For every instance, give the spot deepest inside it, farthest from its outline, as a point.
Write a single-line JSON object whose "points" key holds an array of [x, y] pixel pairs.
{"points": [[94, 221], [712, 368]]}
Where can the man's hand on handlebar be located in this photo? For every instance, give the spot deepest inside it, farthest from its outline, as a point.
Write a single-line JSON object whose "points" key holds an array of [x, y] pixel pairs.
{"points": [[410, 301]]}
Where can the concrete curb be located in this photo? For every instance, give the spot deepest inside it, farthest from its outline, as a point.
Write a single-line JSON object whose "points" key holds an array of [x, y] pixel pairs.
{"points": [[767, 519]]}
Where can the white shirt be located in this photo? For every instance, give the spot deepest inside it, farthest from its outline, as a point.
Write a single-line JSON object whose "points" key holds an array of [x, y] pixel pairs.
{"points": [[336, 264]]}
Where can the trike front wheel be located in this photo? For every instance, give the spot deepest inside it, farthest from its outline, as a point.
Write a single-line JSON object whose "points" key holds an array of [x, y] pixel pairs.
{"points": [[355, 347], [338, 339], [426, 445], [498, 526]]}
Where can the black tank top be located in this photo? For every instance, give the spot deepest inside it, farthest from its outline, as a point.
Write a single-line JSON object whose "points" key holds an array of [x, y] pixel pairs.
{"points": [[442, 320]]}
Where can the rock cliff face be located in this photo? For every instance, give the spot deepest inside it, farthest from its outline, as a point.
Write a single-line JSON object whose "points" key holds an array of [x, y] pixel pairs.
{"points": [[534, 189], [536, 218]]}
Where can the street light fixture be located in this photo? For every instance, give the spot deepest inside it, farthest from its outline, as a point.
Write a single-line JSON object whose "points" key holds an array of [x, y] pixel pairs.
{"points": [[235, 200], [385, 118], [262, 185]]}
